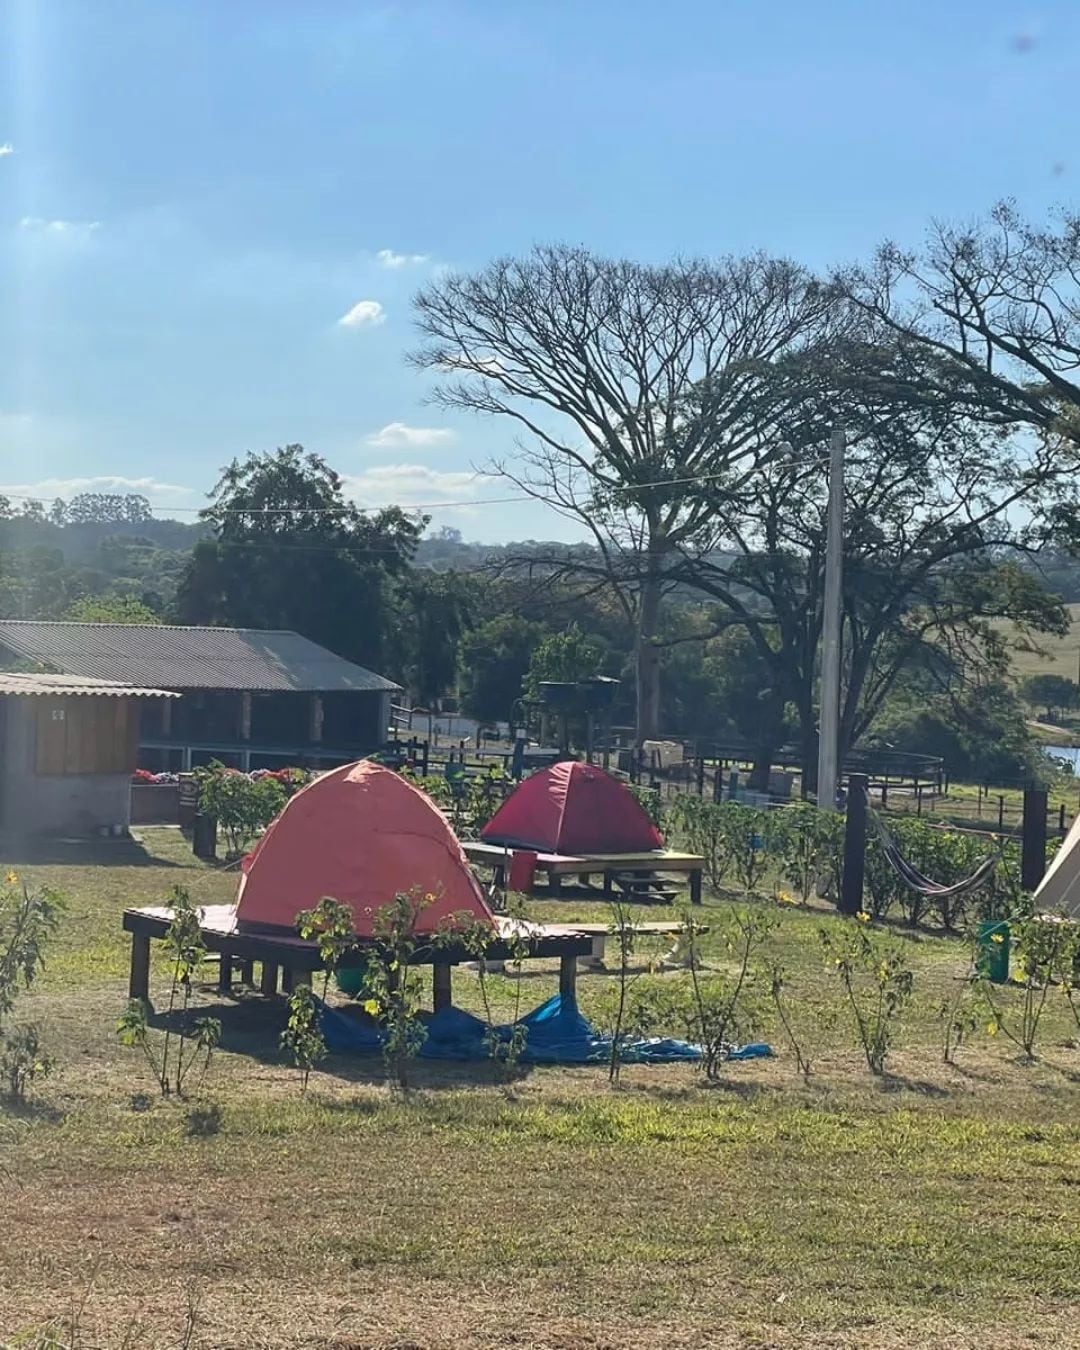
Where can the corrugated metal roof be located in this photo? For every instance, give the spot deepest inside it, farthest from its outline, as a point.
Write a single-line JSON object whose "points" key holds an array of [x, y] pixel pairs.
{"points": [[173, 657], [14, 683]]}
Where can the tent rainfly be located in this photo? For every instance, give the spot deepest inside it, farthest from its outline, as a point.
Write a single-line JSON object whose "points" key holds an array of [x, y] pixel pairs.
{"points": [[362, 835], [573, 809], [1059, 890]]}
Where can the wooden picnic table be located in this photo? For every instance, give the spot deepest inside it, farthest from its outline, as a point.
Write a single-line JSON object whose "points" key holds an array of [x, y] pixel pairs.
{"points": [[278, 950], [555, 866]]}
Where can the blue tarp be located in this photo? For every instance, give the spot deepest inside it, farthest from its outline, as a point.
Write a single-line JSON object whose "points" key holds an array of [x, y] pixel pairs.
{"points": [[556, 1033]]}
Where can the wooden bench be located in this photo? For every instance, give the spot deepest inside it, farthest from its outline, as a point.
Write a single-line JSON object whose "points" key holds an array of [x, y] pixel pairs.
{"points": [[284, 954], [635, 873]]}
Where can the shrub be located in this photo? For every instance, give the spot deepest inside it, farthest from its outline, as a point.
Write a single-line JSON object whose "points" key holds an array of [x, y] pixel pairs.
{"points": [[722, 1004], [28, 921], [196, 1039], [704, 825], [242, 806], [809, 844], [877, 984], [1044, 955]]}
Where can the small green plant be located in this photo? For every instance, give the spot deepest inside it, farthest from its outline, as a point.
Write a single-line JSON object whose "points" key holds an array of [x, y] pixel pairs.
{"points": [[332, 927], [195, 1040], [303, 1037], [704, 825], [877, 984], [959, 1015], [721, 1005], [394, 984], [624, 929], [505, 1050], [28, 921], [810, 845], [242, 807], [1039, 946], [777, 982], [1069, 977], [22, 1059]]}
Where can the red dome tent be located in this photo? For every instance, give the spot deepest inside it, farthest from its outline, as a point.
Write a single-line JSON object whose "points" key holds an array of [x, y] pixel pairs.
{"points": [[360, 834], [573, 808]]}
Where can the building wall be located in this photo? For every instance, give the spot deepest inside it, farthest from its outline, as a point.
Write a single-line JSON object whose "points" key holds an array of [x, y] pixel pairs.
{"points": [[33, 803]]}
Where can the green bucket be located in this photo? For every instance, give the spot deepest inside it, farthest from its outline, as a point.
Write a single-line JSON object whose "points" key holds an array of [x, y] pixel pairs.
{"points": [[992, 946]]}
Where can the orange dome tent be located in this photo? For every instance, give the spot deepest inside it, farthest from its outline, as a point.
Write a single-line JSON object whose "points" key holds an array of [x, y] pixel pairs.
{"points": [[360, 834], [573, 809]]}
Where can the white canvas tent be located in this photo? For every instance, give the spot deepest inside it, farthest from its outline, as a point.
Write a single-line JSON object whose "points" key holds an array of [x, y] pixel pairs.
{"points": [[1059, 890]]}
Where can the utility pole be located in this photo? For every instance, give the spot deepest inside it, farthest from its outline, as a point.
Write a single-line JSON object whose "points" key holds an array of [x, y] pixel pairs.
{"points": [[832, 618]]}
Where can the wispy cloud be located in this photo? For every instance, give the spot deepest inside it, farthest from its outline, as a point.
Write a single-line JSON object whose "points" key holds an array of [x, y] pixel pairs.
{"points": [[363, 313], [397, 436], [71, 229], [6, 149], [388, 258], [413, 485], [45, 489]]}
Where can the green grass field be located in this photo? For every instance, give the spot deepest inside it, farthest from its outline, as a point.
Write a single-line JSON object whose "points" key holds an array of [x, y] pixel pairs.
{"points": [[940, 1204], [1057, 655]]}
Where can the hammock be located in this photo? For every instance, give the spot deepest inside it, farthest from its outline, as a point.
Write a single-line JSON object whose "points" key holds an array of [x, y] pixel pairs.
{"points": [[912, 877]]}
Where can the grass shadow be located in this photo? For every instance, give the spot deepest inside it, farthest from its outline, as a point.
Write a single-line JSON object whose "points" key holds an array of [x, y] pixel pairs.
{"points": [[251, 1025], [60, 852]]}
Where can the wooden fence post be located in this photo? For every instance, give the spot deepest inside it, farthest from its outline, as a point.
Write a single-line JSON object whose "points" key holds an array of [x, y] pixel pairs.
{"points": [[851, 888], [1033, 840]]}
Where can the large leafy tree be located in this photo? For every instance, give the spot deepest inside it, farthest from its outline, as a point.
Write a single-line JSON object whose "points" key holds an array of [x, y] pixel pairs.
{"points": [[495, 657], [290, 550], [937, 509], [628, 383]]}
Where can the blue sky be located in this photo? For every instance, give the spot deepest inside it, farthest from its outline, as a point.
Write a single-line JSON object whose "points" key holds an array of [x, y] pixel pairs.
{"points": [[193, 194]]}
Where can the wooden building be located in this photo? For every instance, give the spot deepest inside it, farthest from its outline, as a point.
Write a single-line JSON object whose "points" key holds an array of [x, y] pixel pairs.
{"points": [[251, 698], [68, 747]]}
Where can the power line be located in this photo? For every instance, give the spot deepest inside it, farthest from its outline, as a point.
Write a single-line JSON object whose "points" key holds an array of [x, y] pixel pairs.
{"points": [[408, 508]]}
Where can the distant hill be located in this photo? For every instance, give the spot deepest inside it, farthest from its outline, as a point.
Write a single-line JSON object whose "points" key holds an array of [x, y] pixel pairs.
{"points": [[1059, 655]]}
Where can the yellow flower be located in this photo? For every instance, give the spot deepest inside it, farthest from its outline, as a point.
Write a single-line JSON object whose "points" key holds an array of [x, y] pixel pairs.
{"points": [[997, 937], [12, 878], [862, 916], [992, 1029], [371, 1007]]}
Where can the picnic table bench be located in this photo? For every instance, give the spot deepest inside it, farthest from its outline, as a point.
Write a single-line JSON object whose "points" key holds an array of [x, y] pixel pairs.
{"points": [[294, 958], [634, 873]]}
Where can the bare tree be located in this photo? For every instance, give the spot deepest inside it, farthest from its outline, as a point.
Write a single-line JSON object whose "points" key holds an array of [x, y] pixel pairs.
{"points": [[998, 304], [633, 389]]}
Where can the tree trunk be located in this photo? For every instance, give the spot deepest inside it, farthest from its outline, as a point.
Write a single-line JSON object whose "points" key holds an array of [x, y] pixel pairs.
{"points": [[762, 767], [648, 662]]}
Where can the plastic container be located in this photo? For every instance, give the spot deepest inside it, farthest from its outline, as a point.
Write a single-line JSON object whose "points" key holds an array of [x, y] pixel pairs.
{"points": [[992, 947]]}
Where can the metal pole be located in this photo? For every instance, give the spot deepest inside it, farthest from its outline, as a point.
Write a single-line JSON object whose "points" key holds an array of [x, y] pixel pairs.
{"points": [[829, 718]]}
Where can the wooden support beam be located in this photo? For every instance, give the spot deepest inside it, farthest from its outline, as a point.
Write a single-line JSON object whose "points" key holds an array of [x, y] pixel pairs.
{"points": [[225, 974], [695, 887], [568, 978], [441, 984], [288, 979], [139, 976], [1033, 842], [268, 983], [851, 889], [247, 972]]}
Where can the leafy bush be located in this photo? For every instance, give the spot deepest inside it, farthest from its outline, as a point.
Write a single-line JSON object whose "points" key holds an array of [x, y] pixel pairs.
{"points": [[195, 1039], [704, 826], [809, 844], [28, 920], [877, 984], [241, 805]]}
